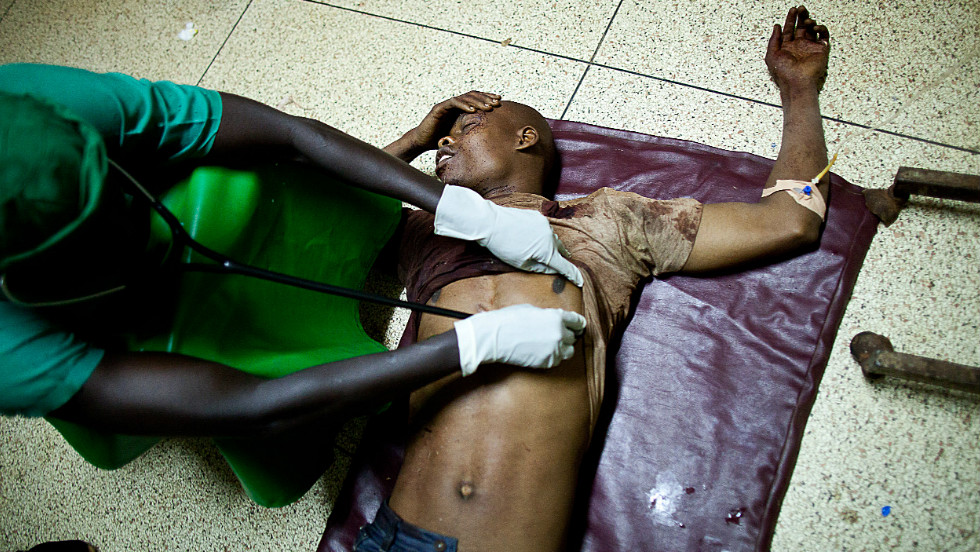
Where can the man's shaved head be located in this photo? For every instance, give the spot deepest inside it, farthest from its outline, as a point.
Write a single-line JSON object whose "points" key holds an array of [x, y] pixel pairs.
{"points": [[526, 115], [508, 148]]}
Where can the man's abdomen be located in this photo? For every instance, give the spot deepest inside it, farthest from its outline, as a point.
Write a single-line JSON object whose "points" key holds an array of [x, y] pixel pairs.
{"points": [[494, 457]]}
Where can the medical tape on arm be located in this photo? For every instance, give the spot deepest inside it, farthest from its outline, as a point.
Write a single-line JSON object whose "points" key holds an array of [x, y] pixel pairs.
{"points": [[803, 193]]}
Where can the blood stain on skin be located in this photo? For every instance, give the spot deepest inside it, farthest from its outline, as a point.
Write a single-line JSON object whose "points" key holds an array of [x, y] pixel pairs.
{"points": [[558, 285]]}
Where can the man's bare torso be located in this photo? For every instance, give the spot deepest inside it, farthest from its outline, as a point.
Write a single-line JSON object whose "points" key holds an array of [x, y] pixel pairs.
{"points": [[494, 457]]}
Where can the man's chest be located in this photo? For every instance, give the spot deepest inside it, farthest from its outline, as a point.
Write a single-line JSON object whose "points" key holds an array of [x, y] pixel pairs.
{"points": [[496, 291]]}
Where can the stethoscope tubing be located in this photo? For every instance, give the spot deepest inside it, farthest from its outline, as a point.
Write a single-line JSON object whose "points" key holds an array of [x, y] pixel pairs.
{"points": [[226, 265]]}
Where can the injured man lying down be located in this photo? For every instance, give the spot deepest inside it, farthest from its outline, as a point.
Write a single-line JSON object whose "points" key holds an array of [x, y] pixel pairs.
{"points": [[492, 460]]}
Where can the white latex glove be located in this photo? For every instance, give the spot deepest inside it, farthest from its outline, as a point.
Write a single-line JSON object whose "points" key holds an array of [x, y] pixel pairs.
{"points": [[521, 335], [519, 237]]}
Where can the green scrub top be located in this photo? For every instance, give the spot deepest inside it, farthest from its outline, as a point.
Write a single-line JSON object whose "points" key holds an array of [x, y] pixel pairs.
{"points": [[284, 218], [43, 365], [157, 121]]}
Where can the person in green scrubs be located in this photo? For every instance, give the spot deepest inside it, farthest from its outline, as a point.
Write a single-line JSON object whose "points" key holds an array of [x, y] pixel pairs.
{"points": [[57, 128]]}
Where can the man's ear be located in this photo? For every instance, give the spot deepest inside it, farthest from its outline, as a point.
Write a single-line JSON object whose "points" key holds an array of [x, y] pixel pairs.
{"points": [[527, 137]]}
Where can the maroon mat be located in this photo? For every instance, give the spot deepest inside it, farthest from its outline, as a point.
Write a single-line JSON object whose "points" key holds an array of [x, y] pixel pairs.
{"points": [[714, 379]]}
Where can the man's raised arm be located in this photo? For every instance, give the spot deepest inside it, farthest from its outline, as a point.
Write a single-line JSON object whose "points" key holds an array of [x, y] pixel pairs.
{"points": [[734, 233], [438, 122]]}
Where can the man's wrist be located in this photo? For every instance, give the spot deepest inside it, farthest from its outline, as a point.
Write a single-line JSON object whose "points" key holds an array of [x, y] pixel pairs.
{"points": [[799, 91], [405, 147], [799, 96]]}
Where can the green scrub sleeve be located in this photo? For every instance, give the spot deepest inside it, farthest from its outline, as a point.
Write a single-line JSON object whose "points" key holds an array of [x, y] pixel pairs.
{"points": [[136, 117], [41, 366]]}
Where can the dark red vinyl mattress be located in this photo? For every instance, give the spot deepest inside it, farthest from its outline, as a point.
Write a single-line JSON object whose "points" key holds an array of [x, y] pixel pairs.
{"points": [[713, 380]]}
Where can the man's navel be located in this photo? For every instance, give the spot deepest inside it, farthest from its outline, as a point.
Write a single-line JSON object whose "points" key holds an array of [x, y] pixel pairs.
{"points": [[466, 489]]}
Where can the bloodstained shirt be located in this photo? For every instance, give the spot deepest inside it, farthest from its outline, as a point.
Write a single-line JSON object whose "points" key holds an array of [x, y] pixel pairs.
{"points": [[617, 239]]}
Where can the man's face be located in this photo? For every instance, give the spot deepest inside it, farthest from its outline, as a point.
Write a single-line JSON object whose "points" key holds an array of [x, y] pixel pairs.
{"points": [[479, 150]]}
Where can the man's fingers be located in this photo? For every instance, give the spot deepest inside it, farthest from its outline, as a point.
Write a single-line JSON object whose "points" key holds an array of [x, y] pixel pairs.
{"points": [[482, 95], [789, 27], [775, 38], [804, 27], [802, 14], [468, 105], [465, 106], [480, 100], [469, 102], [823, 34]]}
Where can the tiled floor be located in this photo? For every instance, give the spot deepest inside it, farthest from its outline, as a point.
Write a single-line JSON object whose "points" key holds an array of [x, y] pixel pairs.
{"points": [[374, 67]]}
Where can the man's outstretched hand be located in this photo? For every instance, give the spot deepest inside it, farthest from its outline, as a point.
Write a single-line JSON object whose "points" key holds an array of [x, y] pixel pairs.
{"points": [[798, 52]]}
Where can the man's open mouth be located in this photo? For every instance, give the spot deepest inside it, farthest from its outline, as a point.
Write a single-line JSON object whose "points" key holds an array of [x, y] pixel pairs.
{"points": [[441, 158]]}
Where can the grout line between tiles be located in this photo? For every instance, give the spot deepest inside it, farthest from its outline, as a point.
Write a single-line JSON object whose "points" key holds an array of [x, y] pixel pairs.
{"points": [[572, 98], [227, 38], [905, 136], [592, 59], [777, 106], [440, 29], [6, 11], [591, 64]]}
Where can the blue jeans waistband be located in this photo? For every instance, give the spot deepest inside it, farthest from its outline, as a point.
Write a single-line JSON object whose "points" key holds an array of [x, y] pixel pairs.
{"points": [[390, 533]]}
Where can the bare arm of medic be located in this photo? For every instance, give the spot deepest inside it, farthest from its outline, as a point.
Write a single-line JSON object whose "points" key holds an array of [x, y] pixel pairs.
{"points": [[165, 394], [248, 126], [734, 233], [143, 393], [523, 241], [169, 394]]}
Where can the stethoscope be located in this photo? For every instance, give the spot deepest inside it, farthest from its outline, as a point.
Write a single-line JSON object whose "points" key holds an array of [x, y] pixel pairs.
{"points": [[225, 265]]}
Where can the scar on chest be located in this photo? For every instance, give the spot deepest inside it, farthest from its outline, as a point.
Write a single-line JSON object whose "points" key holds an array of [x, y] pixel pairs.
{"points": [[558, 285]]}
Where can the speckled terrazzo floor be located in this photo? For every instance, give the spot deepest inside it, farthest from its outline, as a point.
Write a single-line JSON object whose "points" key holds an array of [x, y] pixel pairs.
{"points": [[374, 67]]}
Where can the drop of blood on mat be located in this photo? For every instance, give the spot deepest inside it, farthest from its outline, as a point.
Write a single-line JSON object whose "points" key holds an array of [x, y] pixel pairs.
{"points": [[735, 516], [689, 490]]}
